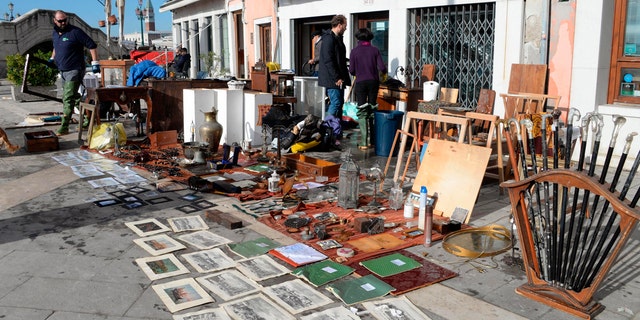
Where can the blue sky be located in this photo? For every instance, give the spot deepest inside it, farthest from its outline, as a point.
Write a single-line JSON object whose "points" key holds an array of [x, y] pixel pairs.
{"points": [[92, 10]]}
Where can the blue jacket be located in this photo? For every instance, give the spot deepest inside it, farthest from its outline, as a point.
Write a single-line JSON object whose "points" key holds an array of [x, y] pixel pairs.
{"points": [[143, 69], [69, 48], [333, 62]]}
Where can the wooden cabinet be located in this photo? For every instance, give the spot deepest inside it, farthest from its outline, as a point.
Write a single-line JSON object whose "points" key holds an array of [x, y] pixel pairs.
{"points": [[166, 95], [114, 72], [387, 97]]}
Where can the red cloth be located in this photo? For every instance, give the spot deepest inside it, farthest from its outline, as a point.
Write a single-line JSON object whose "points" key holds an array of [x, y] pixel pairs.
{"points": [[156, 56]]}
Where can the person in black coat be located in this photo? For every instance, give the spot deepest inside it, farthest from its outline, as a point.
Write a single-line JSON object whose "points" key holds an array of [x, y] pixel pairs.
{"points": [[333, 73], [182, 63]]}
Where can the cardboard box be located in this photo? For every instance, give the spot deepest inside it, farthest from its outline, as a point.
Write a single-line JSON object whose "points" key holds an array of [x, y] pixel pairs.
{"points": [[311, 166], [40, 141]]}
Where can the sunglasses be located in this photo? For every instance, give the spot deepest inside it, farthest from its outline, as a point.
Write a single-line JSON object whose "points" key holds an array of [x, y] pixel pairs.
{"points": [[62, 20]]}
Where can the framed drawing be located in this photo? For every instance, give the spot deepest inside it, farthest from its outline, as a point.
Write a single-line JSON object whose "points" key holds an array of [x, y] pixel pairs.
{"points": [[106, 202], [261, 268], [190, 223], [337, 313], [191, 197], [206, 314], [204, 239], [203, 204], [182, 294], [133, 204], [255, 307], [160, 267], [388, 309], [187, 209], [209, 260], [147, 227], [296, 296], [159, 244], [229, 284], [136, 190], [159, 200]]}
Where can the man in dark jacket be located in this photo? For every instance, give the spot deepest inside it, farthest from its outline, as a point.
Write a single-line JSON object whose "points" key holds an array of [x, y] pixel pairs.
{"points": [[182, 63], [333, 73]]}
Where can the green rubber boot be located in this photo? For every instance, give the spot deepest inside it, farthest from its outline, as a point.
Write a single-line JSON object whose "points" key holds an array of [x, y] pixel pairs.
{"points": [[70, 99], [364, 131]]}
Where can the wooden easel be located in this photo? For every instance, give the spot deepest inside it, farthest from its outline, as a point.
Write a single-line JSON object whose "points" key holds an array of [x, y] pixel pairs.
{"points": [[431, 131]]}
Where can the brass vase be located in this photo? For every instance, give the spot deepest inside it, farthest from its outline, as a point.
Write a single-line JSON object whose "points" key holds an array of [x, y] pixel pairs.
{"points": [[211, 130]]}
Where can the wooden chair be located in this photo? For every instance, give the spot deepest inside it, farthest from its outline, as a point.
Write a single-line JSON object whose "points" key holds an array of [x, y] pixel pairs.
{"points": [[449, 95], [498, 166], [516, 104]]}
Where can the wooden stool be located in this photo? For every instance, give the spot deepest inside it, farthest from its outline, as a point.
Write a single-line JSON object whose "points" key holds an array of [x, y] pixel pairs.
{"points": [[94, 110]]}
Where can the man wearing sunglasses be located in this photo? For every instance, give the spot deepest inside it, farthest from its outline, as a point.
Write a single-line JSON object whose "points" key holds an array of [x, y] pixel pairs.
{"points": [[68, 54]]}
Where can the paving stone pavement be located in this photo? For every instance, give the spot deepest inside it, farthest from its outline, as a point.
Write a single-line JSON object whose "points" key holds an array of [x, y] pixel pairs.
{"points": [[61, 257]]}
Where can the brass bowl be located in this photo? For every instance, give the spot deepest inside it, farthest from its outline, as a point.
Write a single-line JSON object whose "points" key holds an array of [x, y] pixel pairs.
{"points": [[190, 148]]}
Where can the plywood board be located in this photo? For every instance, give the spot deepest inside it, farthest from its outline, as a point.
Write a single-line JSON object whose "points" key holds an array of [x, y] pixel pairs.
{"points": [[455, 171], [528, 78]]}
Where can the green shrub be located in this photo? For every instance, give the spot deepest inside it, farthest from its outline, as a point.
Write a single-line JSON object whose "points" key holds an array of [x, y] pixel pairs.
{"points": [[39, 74]]}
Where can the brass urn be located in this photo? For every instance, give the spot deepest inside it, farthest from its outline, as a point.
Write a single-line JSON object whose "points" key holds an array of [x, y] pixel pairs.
{"points": [[211, 130]]}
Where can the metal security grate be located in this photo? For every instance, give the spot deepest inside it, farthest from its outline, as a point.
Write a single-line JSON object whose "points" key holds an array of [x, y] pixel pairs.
{"points": [[458, 40]]}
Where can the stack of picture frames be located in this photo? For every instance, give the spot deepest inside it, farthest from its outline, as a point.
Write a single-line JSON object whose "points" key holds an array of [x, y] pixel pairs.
{"points": [[191, 267]]}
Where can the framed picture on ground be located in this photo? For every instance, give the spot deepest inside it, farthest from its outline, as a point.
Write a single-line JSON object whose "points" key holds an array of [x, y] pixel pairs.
{"points": [[388, 309], [336, 313], [261, 268], [255, 307], [296, 296], [229, 284], [206, 314], [147, 227], [204, 239], [209, 260], [160, 267], [182, 294], [159, 244], [190, 223]]}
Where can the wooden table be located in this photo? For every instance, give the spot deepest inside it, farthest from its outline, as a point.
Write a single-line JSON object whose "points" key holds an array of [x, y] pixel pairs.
{"points": [[388, 96], [125, 98]]}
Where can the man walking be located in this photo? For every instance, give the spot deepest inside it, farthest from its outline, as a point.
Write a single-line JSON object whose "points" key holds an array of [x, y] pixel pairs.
{"points": [[68, 54], [333, 73]]}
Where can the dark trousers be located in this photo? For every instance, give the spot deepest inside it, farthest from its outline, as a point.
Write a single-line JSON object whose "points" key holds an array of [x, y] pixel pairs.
{"points": [[366, 91]]}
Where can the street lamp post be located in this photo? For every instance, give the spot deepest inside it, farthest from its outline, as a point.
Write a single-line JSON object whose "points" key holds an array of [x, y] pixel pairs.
{"points": [[10, 11], [141, 13]]}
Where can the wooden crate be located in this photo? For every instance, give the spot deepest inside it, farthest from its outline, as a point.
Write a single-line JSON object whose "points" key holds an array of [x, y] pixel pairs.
{"points": [[162, 139], [311, 166], [39, 141]]}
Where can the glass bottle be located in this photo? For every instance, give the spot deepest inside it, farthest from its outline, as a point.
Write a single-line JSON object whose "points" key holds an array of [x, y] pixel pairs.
{"points": [[349, 182], [396, 196]]}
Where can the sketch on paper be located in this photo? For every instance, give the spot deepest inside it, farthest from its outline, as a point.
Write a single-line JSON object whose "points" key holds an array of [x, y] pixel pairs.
{"points": [[261, 268], [229, 284], [209, 260], [190, 223], [204, 239], [296, 296], [255, 307]]}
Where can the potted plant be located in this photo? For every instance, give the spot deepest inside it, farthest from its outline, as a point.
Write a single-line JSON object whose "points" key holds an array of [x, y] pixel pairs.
{"points": [[41, 77]]}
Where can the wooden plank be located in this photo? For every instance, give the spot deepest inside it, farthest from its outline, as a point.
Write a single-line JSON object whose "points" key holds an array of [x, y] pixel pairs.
{"points": [[455, 172], [529, 78]]}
